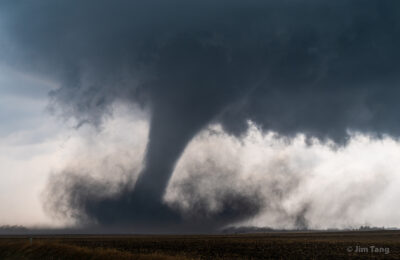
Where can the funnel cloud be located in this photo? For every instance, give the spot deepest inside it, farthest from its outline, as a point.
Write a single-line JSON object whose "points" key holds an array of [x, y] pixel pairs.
{"points": [[322, 69]]}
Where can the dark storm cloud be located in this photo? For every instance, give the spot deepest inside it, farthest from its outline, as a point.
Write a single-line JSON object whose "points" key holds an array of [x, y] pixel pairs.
{"points": [[316, 67]]}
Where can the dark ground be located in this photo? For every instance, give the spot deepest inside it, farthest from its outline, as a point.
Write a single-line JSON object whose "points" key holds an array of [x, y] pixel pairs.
{"points": [[274, 245]]}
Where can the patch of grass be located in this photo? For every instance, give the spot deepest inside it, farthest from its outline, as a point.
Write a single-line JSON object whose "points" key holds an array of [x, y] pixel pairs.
{"points": [[295, 245], [51, 251]]}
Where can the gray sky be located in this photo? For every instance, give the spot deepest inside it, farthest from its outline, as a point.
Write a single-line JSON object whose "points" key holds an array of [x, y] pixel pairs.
{"points": [[29, 141], [190, 115], [35, 144]]}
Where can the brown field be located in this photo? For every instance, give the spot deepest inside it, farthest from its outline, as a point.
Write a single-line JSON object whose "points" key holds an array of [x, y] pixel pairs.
{"points": [[294, 245]]}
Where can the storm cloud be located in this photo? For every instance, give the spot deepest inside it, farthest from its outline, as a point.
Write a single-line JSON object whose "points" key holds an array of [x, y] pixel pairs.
{"points": [[319, 68]]}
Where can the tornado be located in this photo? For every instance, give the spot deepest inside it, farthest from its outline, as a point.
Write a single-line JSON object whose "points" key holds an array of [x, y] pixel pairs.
{"points": [[318, 68]]}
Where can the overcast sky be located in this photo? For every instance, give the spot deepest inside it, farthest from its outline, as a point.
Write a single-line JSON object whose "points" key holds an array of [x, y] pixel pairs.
{"points": [[190, 116], [30, 140], [35, 144]]}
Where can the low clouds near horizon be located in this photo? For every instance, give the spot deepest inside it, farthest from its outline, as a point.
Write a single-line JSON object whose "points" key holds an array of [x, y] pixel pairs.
{"points": [[199, 115]]}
